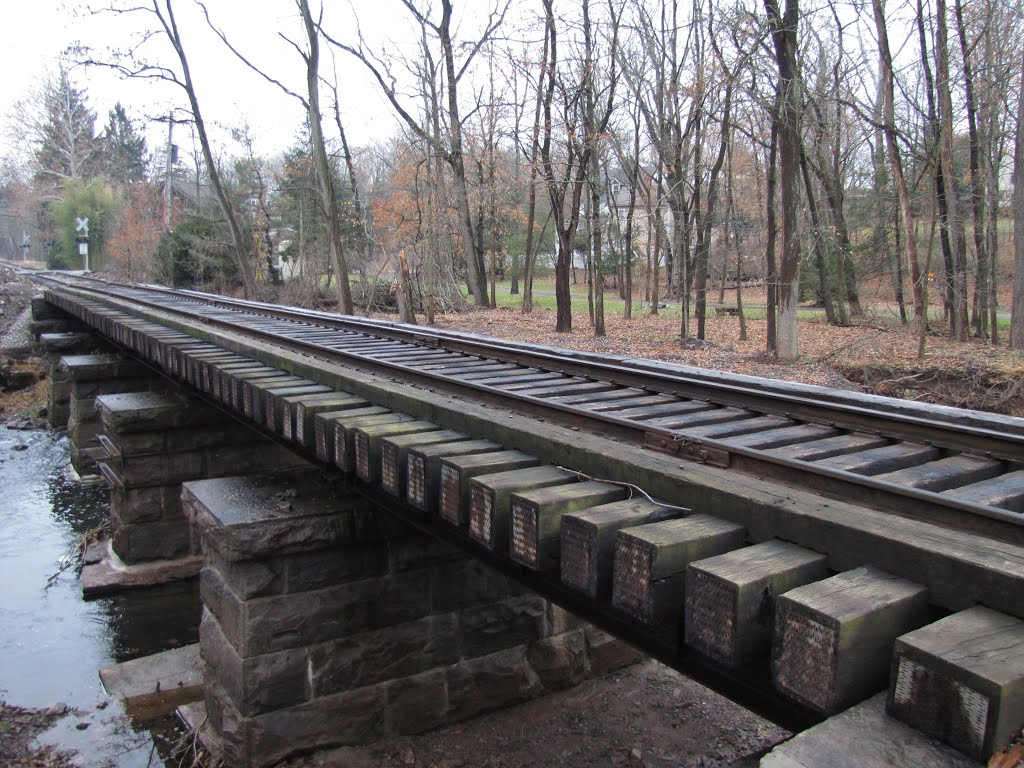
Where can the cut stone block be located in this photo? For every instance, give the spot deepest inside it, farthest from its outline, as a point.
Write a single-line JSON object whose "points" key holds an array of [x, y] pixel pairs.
{"points": [[833, 639], [253, 516], [152, 686], [423, 470], [730, 599], [537, 518], [961, 680], [649, 581], [489, 500], [457, 471], [151, 411], [864, 737], [588, 542]]}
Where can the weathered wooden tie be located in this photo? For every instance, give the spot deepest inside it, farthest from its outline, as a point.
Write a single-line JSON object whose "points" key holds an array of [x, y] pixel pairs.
{"points": [[344, 429], [368, 444], [730, 598], [489, 500], [945, 473], [278, 398], [457, 471], [783, 436], [877, 461], [423, 470], [649, 579], [536, 518], [307, 408], [961, 680], [833, 639], [840, 445], [1006, 492], [588, 541], [395, 452], [323, 428]]}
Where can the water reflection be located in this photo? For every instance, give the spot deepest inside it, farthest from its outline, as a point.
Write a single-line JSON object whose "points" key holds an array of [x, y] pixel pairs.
{"points": [[52, 642]]}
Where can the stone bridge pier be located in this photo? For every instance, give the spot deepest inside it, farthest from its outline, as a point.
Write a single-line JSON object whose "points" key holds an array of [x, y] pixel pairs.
{"points": [[328, 621]]}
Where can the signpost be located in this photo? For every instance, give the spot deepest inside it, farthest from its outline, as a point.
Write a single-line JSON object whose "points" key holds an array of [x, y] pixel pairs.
{"points": [[82, 225]]}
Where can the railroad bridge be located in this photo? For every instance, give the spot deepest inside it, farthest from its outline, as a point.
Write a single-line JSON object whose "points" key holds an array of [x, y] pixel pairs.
{"points": [[367, 502]]}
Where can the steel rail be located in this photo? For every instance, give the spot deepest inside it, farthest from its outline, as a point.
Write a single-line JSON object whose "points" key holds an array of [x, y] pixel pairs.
{"points": [[850, 486]]}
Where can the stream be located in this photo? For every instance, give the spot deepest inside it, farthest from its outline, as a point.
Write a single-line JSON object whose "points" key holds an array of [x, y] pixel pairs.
{"points": [[52, 641]]}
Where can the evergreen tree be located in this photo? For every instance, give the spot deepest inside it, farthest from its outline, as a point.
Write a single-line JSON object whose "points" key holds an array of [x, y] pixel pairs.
{"points": [[66, 143], [124, 150]]}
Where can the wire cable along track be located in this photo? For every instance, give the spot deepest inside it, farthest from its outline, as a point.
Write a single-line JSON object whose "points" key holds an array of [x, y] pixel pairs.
{"points": [[961, 469]]}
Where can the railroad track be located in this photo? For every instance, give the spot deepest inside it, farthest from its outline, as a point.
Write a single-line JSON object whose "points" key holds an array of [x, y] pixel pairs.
{"points": [[958, 468], [462, 436]]}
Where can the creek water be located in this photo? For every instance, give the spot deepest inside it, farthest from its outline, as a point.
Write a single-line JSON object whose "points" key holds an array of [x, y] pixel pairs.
{"points": [[52, 641]]}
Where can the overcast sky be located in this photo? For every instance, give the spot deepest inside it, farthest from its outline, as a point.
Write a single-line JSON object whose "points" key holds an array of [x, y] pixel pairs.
{"points": [[35, 32]]}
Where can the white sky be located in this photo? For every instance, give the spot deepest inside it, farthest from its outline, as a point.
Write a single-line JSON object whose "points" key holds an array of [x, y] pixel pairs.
{"points": [[34, 33]]}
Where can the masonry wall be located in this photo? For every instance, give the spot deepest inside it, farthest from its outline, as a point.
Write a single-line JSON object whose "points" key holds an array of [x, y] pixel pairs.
{"points": [[343, 625]]}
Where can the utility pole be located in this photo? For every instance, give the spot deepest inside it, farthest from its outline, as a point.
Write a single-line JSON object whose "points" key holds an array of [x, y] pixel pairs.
{"points": [[167, 176]]}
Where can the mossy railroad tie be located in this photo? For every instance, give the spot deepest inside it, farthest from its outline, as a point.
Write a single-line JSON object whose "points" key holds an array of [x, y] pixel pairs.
{"points": [[225, 386], [192, 372], [961, 680], [730, 598], [888, 458], [202, 364], [218, 372], [490, 495], [344, 429], [649, 581], [457, 471], [323, 428], [423, 470], [254, 389], [395, 452], [536, 518], [287, 407], [1004, 492], [588, 541], [368, 444], [275, 407], [943, 474], [830, 446], [235, 386], [307, 408], [179, 356], [833, 639]]}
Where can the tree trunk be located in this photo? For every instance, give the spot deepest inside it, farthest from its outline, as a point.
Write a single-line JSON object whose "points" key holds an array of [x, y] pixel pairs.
{"points": [[324, 172], [1017, 311], [784, 35], [896, 166], [977, 196]]}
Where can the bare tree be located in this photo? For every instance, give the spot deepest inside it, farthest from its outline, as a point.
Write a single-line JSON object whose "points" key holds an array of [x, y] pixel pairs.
{"points": [[1017, 313], [896, 166], [130, 64], [784, 34], [452, 149]]}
